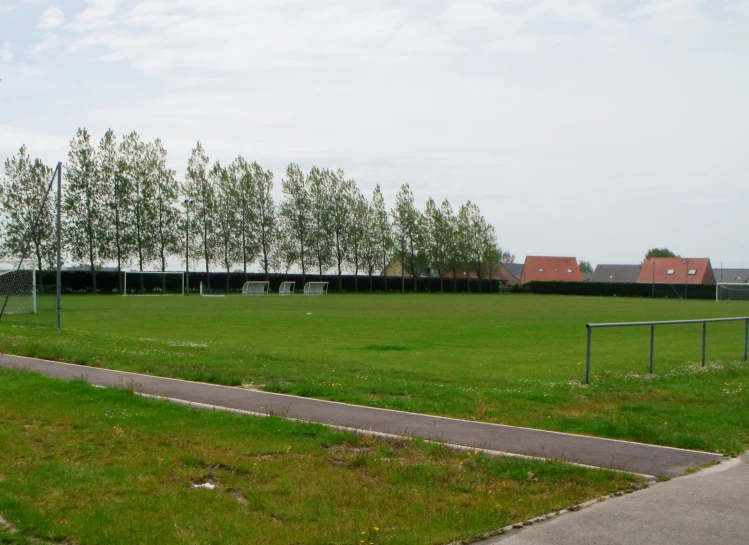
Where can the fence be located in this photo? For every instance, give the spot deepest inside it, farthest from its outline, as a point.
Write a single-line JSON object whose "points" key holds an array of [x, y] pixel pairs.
{"points": [[704, 322]]}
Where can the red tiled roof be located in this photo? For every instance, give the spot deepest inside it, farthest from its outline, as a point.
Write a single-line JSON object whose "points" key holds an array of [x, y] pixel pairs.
{"points": [[551, 268], [677, 270]]}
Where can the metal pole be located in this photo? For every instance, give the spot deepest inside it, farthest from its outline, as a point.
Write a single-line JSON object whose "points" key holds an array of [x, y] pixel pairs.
{"points": [[187, 248], [59, 246], [587, 357], [704, 342], [746, 338], [652, 347]]}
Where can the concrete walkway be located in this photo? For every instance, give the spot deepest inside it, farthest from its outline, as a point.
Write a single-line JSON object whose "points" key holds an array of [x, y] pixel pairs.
{"points": [[592, 451], [708, 507]]}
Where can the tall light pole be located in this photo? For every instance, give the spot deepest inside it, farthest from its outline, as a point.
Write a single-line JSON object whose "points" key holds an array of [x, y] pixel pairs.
{"points": [[188, 203]]}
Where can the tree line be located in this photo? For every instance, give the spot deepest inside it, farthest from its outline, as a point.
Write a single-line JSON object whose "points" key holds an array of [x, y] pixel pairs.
{"points": [[122, 204]]}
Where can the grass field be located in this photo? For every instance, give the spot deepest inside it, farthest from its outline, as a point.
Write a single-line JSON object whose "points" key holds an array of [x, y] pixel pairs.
{"points": [[513, 359], [80, 464]]}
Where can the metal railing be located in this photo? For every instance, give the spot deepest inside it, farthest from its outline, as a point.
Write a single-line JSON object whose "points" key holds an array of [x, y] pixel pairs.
{"points": [[704, 322]]}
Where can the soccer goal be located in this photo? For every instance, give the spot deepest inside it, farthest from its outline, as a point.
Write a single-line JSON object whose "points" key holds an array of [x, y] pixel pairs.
{"points": [[208, 292], [153, 283], [316, 288], [287, 288], [731, 291], [17, 287], [256, 288]]}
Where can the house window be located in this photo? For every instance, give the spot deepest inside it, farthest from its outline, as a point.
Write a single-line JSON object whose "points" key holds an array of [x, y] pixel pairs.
{"points": [[692, 272], [569, 271], [670, 271], [556, 269], [540, 269]]}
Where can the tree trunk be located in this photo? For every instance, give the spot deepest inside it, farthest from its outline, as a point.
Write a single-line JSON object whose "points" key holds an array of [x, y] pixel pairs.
{"points": [[371, 289]]}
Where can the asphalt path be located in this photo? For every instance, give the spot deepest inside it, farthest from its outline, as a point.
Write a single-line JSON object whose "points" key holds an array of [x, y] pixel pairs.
{"points": [[703, 508], [592, 451]]}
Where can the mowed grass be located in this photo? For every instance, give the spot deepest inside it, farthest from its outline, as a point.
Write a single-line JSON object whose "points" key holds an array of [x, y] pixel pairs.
{"points": [[514, 359], [80, 464]]}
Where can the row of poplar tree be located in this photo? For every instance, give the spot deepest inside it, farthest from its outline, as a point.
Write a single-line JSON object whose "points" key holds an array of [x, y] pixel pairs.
{"points": [[122, 204]]}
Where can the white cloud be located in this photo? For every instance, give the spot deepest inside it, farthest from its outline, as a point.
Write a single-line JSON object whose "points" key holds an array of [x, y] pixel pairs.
{"points": [[50, 18], [6, 53]]}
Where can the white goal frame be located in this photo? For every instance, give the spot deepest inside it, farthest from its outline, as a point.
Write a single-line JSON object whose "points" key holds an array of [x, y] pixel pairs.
{"points": [[732, 284], [11, 267], [286, 288], [124, 283], [257, 287], [316, 288]]}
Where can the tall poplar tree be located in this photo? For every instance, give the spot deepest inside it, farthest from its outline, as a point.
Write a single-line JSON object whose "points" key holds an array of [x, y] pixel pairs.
{"points": [[227, 212], [408, 223], [243, 190], [265, 225], [198, 188], [382, 231], [168, 239], [22, 200], [85, 206], [439, 232], [321, 232], [296, 218]]}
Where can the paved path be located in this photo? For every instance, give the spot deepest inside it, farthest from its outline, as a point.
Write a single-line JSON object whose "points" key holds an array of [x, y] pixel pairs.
{"points": [[622, 455], [711, 506]]}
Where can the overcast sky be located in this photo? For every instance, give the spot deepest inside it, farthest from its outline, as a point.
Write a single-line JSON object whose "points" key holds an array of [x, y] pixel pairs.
{"points": [[591, 128]]}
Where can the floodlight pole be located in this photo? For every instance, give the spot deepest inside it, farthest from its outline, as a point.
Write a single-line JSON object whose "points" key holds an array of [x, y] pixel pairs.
{"points": [[59, 246]]}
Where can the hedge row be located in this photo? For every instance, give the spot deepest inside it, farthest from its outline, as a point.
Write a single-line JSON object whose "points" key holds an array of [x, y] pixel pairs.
{"points": [[108, 282], [679, 291]]}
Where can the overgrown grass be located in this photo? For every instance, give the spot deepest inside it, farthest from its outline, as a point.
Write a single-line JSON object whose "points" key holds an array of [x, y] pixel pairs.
{"points": [[85, 465], [509, 359]]}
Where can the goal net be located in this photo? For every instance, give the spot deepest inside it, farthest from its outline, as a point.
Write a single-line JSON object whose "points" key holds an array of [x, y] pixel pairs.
{"points": [[287, 288], [17, 287], [316, 288], [205, 291], [256, 288], [728, 291], [153, 283]]}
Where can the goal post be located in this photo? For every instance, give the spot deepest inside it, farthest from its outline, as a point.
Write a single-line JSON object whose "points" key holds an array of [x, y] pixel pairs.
{"points": [[153, 283], [287, 288], [731, 291], [17, 287], [316, 288], [256, 288]]}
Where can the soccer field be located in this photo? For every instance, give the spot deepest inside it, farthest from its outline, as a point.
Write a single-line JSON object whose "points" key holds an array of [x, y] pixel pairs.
{"points": [[515, 359]]}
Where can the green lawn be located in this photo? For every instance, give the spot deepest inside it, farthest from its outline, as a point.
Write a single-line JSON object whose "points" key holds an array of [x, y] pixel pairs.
{"points": [[80, 464], [514, 359]]}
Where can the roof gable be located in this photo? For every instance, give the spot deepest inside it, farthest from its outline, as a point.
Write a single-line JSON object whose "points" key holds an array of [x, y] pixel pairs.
{"points": [[677, 270], [547, 268]]}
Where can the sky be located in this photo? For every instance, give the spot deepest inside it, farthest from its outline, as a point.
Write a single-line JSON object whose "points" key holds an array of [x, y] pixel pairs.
{"points": [[588, 128]]}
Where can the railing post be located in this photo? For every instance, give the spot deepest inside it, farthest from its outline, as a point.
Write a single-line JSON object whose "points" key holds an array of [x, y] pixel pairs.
{"points": [[652, 345], [587, 356], [704, 342], [746, 338]]}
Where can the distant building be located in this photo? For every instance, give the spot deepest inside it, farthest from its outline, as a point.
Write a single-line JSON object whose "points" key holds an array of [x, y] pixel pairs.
{"points": [[511, 272], [736, 276], [544, 268], [677, 270], [626, 274]]}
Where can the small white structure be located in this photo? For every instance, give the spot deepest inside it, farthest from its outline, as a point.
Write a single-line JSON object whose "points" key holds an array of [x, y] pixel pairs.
{"points": [[134, 277], [316, 288], [256, 288], [207, 292], [287, 288], [731, 291]]}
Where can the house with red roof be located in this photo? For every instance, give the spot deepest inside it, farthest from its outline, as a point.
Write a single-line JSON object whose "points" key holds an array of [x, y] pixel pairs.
{"points": [[677, 270], [545, 268]]}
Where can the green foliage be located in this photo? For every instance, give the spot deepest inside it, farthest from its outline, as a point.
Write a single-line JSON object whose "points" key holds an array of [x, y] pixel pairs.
{"points": [[22, 199], [586, 267], [659, 252], [84, 465]]}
